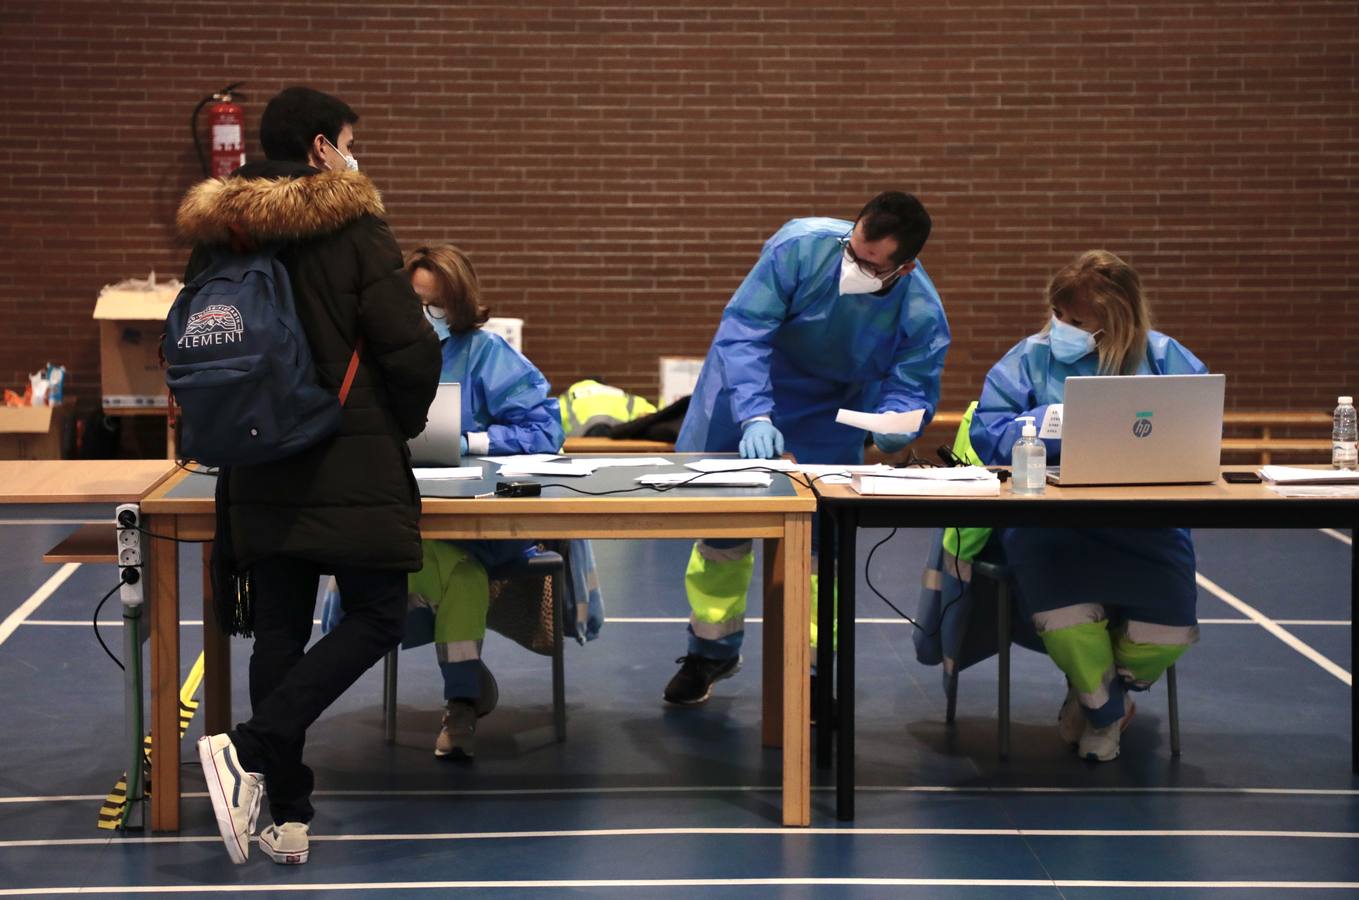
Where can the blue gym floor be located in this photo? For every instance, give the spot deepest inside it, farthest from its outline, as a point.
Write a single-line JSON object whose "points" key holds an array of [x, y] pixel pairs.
{"points": [[646, 801]]}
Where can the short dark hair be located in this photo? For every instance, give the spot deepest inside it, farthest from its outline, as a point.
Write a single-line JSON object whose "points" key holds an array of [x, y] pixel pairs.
{"points": [[897, 215], [296, 116]]}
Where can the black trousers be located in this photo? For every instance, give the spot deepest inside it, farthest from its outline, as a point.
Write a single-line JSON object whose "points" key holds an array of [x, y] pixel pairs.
{"points": [[290, 685]]}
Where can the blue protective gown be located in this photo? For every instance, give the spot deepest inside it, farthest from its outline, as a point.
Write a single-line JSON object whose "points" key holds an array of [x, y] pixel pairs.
{"points": [[791, 347], [503, 394], [1143, 575]]}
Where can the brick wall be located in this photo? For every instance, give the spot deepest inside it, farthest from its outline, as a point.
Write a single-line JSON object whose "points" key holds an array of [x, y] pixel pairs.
{"points": [[613, 166]]}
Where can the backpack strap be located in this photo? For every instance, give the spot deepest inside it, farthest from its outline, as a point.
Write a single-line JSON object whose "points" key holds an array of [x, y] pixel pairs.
{"points": [[351, 371]]}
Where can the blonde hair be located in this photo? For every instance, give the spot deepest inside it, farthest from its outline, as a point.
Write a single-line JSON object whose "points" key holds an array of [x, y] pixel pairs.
{"points": [[459, 291], [1114, 291]]}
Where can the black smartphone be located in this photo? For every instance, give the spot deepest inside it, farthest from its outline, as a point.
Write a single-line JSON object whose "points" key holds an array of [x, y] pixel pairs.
{"points": [[1240, 477]]}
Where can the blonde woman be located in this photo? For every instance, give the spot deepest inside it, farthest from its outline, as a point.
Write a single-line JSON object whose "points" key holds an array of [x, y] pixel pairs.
{"points": [[1114, 607]]}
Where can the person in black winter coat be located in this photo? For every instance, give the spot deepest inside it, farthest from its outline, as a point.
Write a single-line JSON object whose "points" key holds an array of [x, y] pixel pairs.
{"points": [[348, 506]]}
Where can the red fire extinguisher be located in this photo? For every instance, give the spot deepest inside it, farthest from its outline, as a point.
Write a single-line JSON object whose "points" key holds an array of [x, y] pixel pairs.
{"points": [[226, 130]]}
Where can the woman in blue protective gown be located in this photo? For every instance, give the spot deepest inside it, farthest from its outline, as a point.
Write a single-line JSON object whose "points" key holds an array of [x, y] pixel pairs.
{"points": [[507, 409], [1114, 607], [834, 314]]}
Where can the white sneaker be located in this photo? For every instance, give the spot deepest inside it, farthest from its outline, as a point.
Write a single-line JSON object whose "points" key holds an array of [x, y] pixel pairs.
{"points": [[285, 844], [235, 793], [1101, 744], [1071, 718]]}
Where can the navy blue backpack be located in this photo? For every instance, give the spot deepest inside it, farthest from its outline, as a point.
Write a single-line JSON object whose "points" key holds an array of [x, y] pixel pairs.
{"points": [[240, 369]]}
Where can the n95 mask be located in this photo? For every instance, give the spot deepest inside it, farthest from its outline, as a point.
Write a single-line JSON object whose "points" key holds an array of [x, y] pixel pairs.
{"points": [[854, 280]]}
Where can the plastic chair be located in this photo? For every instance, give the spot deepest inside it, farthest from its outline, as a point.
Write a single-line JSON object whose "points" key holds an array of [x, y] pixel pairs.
{"points": [[999, 575], [527, 598]]}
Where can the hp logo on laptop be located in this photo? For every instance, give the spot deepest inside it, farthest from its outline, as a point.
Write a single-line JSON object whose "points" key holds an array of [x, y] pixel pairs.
{"points": [[1142, 427]]}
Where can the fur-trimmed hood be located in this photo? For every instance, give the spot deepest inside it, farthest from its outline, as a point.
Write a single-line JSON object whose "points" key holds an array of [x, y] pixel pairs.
{"points": [[274, 208]]}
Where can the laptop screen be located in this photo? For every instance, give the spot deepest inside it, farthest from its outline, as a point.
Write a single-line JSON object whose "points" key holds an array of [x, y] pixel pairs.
{"points": [[437, 445], [1142, 429]]}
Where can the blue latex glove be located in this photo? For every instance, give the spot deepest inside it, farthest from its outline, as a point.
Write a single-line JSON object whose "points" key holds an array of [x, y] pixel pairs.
{"points": [[891, 443], [462, 445], [761, 440]]}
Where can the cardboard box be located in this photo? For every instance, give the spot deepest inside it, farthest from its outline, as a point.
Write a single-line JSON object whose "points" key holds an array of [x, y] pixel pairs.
{"points": [[131, 321], [33, 432], [679, 375], [512, 330]]}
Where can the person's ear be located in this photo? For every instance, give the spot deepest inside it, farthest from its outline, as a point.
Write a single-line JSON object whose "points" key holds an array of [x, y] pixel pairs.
{"points": [[316, 153], [908, 268]]}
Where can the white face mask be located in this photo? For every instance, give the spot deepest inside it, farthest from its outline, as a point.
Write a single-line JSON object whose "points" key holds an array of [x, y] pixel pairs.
{"points": [[1070, 343], [350, 162], [854, 280]]}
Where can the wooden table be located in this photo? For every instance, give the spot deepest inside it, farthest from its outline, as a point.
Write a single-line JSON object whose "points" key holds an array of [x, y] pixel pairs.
{"points": [[81, 480], [183, 508], [1216, 505]]}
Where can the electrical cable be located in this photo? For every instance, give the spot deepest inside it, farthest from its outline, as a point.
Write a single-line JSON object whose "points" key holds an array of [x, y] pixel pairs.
{"points": [[943, 611], [97, 636]]}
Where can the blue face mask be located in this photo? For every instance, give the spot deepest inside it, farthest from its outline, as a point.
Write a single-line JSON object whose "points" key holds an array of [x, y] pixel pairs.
{"points": [[440, 324], [1068, 342]]}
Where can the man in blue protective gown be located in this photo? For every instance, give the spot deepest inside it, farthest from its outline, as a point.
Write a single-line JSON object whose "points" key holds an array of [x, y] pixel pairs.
{"points": [[835, 314]]}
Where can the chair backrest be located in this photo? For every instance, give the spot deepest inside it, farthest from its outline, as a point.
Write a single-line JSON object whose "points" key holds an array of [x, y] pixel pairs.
{"points": [[525, 600]]}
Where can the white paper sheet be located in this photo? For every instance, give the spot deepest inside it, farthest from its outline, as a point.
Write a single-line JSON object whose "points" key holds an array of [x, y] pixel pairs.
{"points": [[521, 458], [882, 423], [1300, 475], [1051, 426], [709, 479], [605, 462], [1316, 490], [940, 473], [735, 465], [447, 473], [923, 487], [835, 479], [566, 469], [822, 471]]}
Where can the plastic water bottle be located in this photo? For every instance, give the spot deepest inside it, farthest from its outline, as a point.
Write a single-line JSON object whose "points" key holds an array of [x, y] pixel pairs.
{"points": [[1028, 461], [1344, 435]]}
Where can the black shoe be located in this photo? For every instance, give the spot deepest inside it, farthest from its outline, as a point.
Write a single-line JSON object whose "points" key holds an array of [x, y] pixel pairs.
{"points": [[693, 683]]}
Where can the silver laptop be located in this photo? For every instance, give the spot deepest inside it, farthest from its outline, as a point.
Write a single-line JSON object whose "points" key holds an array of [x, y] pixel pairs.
{"points": [[437, 445], [1141, 429]]}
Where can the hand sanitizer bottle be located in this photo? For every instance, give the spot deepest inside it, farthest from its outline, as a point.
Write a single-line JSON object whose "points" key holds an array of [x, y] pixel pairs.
{"points": [[1028, 461]]}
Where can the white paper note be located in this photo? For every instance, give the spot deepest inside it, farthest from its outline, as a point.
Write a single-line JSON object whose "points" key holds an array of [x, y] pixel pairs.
{"points": [[1051, 426], [882, 423], [825, 470], [447, 473], [521, 458], [520, 470], [617, 462], [709, 479], [735, 465]]}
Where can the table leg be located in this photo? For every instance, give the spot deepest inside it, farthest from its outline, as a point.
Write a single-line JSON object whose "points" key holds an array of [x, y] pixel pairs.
{"points": [[797, 722], [162, 598], [216, 659], [823, 702], [845, 572], [771, 716]]}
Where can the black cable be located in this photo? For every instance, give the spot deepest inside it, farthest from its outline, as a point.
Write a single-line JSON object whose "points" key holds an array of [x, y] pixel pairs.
{"points": [[177, 540], [99, 637], [943, 610]]}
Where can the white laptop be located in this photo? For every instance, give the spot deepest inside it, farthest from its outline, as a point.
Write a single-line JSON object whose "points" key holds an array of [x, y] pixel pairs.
{"points": [[438, 444], [1141, 429]]}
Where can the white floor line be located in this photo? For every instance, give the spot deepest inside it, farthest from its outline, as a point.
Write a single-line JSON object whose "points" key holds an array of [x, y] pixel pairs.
{"points": [[1339, 536], [771, 831], [49, 587], [1344, 623], [127, 890], [757, 789], [1273, 628], [108, 521]]}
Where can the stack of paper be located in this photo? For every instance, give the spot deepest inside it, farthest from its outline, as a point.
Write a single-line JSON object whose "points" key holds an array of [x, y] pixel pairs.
{"points": [[960, 481], [709, 479], [553, 469], [1299, 475]]}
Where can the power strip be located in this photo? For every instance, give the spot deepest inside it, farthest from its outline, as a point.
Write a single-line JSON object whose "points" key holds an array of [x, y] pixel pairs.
{"points": [[129, 520]]}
